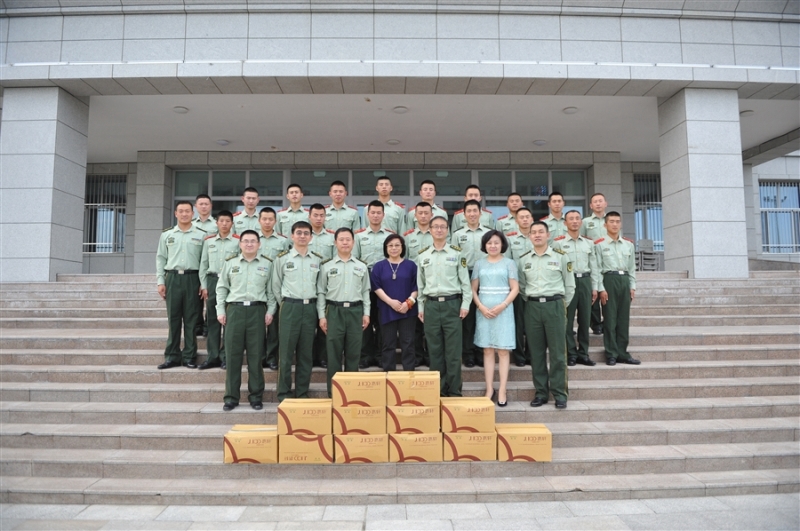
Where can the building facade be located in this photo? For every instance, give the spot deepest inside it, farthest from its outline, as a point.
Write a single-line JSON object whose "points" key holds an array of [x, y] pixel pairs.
{"points": [[683, 113]]}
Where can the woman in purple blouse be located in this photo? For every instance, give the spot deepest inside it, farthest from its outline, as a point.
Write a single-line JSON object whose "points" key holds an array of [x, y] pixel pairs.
{"points": [[394, 281]]}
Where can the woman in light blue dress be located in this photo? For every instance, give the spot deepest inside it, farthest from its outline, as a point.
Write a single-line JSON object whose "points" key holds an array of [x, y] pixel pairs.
{"points": [[494, 287]]}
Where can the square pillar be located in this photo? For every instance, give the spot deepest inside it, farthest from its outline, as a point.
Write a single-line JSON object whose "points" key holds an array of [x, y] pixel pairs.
{"points": [[702, 184], [43, 147], [154, 210]]}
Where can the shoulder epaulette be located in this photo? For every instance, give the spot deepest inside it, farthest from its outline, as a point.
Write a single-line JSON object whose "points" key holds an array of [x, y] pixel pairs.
{"points": [[626, 238], [195, 219], [325, 261], [316, 254], [456, 247], [281, 235], [209, 237], [360, 230], [459, 211], [305, 209], [559, 251], [545, 218], [512, 233], [267, 257], [238, 213], [331, 231], [406, 233], [389, 230], [360, 260], [281, 210], [585, 238], [231, 257], [236, 236], [401, 205], [328, 206], [201, 230], [502, 217], [486, 210], [526, 252], [559, 237], [283, 253], [424, 249], [350, 206], [598, 240], [165, 230]]}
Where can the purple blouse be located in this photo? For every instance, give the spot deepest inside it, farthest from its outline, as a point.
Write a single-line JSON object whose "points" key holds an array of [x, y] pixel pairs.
{"points": [[399, 288]]}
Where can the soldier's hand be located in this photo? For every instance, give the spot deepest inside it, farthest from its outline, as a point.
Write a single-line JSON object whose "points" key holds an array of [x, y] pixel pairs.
{"points": [[204, 294], [221, 319], [603, 297], [633, 292], [162, 290], [421, 317], [268, 319], [364, 322], [594, 296], [323, 325], [463, 313]]}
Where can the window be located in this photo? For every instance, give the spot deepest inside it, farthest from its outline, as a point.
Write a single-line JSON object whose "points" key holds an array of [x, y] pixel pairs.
{"points": [[780, 216], [104, 214], [647, 208]]}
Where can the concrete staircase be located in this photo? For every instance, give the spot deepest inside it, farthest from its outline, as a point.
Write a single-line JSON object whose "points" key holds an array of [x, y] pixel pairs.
{"points": [[714, 409]]}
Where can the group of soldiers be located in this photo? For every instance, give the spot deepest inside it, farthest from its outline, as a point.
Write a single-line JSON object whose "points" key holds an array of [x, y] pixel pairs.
{"points": [[292, 287]]}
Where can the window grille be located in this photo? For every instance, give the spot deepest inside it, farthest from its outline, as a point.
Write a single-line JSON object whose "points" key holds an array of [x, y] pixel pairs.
{"points": [[647, 208], [780, 216], [104, 214]]}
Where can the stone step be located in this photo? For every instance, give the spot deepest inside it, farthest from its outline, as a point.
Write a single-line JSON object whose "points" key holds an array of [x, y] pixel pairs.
{"points": [[699, 300], [641, 310], [207, 413], [160, 437], [111, 292], [264, 489], [623, 389], [181, 464], [153, 357], [708, 291], [92, 304], [89, 374]]}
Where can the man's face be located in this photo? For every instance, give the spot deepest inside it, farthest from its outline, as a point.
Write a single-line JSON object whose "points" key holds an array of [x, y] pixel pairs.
{"points": [[375, 216], [439, 230], [249, 244], [294, 195], [524, 219], [184, 213], [472, 214], [598, 204], [337, 193], [317, 219], [224, 224], [539, 235], [267, 221], [384, 187], [250, 200], [427, 193], [301, 236], [423, 215], [344, 242], [514, 203], [556, 204], [472, 193], [573, 220], [203, 206], [613, 225]]}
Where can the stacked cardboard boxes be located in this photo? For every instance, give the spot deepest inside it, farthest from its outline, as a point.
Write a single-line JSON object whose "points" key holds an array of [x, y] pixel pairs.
{"points": [[305, 433], [412, 419], [468, 429], [359, 417]]}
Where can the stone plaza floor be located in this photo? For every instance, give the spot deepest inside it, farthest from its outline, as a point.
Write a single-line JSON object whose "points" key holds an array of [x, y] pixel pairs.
{"points": [[769, 511]]}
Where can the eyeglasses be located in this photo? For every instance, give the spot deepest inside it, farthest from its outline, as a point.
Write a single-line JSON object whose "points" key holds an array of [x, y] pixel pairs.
{"points": [[439, 227], [302, 233]]}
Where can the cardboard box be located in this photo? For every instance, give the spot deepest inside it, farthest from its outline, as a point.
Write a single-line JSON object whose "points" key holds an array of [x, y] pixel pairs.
{"points": [[415, 447], [305, 449], [467, 414], [365, 389], [412, 419], [362, 448], [305, 416], [470, 446], [524, 442], [359, 420], [412, 388], [246, 443]]}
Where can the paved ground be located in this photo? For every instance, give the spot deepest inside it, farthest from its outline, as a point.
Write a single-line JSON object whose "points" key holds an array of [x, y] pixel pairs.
{"points": [[772, 511]]}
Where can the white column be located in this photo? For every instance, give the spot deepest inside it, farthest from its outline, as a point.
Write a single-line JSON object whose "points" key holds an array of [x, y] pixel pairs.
{"points": [[153, 207], [43, 143], [702, 184]]}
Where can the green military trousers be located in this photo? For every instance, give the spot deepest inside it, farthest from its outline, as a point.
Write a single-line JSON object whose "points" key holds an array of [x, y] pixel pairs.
{"points": [[343, 339], [617, 315], [183, 309], [272, 341], [582, 305], [521, 352], [214, 346], [545, 323], [298, 324], [443, 334], [244, 332]]}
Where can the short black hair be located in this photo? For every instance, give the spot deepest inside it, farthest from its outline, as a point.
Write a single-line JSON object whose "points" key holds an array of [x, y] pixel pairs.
{"points": [[377, 204], [549, 197], [438, 217], [268, 210], [596, 194], [382, 178], [341, 230], [294, 185], [542, 223], [427, 181], [225, 214], [423, 204], [509, 196], [250, 231], [202, 196], [488, 236], [390, 239], [613, 213], [338, 183], [250, 189], [301, 225], [524, 209], [472, 187], [472, 202], [316, 206], [572, 211], [183, 202]]}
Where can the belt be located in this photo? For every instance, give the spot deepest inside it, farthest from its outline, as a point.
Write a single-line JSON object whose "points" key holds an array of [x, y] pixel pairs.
{"points": [[248, 303], [545, 299], [443, 298], [345, 304], [581, 275], [215, 275], [615, 273], [182, 271], [300, 301]]}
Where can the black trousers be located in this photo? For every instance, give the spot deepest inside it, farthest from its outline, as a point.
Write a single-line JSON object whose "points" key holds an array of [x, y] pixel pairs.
{"points": [[401, 331]]}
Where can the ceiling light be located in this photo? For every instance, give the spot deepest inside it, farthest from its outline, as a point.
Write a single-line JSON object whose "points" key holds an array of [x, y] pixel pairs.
{"points": [[569, 110], [442, 174], [400, 109], [379, 173], [540, 142], [319, 174], [180, 110], [747, 112], [223, 142], [392, 141]]}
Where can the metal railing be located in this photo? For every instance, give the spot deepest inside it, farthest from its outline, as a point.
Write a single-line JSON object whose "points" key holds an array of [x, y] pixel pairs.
{"points": [[780, 230], [104, 214]]}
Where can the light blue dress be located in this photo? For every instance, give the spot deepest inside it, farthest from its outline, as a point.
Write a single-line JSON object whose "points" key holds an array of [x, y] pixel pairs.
{"points": [[493, 289]]}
